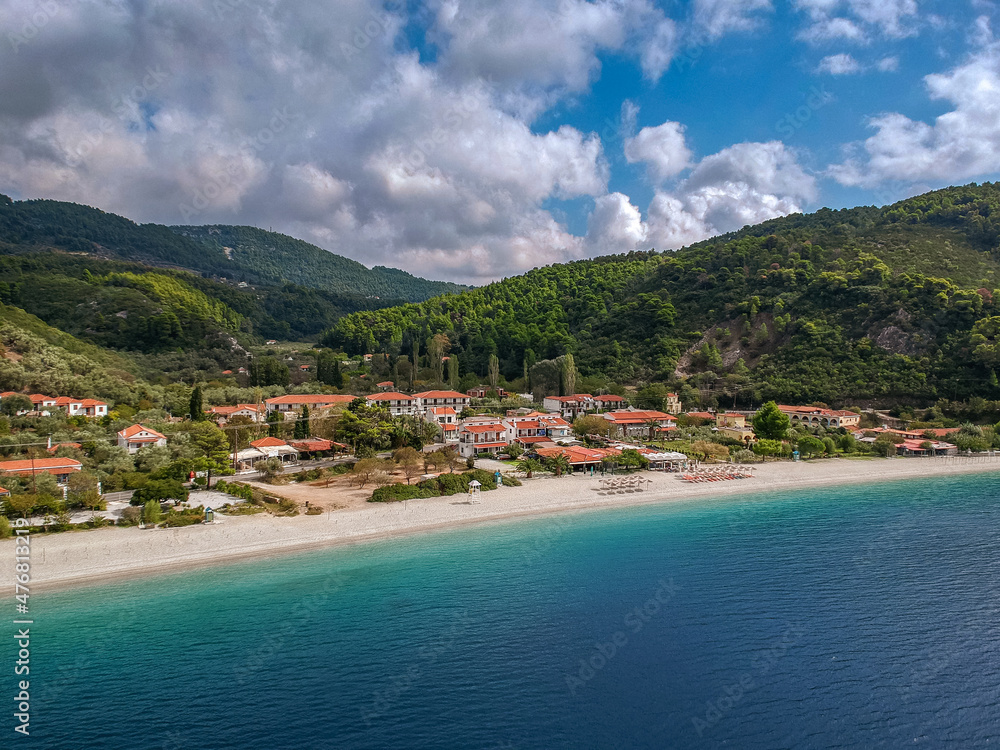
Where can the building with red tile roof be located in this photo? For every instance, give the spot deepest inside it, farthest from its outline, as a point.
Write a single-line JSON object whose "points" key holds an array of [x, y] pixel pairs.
{"points": [[636, 423], [60, 468], [813, 416], [137, 437], [398, 404], [293, 403]]}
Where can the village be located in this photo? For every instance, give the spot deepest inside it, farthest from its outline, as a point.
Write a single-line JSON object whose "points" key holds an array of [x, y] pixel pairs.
{"points": [[339, 448]]}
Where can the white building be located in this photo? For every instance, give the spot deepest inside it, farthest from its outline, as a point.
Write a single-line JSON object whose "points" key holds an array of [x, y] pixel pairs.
{"points": [[136, 437]]}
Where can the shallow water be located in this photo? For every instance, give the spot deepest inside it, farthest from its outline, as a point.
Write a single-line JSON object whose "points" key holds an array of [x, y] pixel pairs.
{"points": [[847, 617]]}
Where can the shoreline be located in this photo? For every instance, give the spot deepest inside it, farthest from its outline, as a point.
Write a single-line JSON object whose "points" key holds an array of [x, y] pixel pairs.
{"points": [[101, 556]]}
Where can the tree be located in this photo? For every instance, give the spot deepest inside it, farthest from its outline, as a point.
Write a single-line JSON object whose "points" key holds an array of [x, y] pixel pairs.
{"points": [[529, 362], [196, 410], [14, 405], [82, 490], [160, 489], [301, 429], [514, 450], [453, 370], [23, 504], [268, 371], [568, 375], [811, 446], [328, 369], [152, 513], [274, 421], [409, 462], [369, 470], [558, 465], [493, 376], [630, 458], [591, 424], [529, 466], [271, 469], [767, 448], [770, 423]]}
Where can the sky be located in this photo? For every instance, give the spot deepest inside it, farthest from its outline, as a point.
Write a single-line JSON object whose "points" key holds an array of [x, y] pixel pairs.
{"points": [[470, 140]]}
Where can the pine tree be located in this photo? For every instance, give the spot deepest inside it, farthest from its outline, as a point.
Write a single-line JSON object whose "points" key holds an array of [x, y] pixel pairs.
{"points": [[195, 409], [303, 420], [453, 370], [568, 375], [494, 371]]}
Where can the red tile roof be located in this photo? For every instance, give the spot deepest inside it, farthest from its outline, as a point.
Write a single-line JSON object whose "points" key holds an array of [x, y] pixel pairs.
{"points": [[268, 442], [4, 491], [385, 383], [312, 398], [40, 465], [389, 396], [440, 394], [130, 432], [484, 428], [637, 417], [312, 444]]}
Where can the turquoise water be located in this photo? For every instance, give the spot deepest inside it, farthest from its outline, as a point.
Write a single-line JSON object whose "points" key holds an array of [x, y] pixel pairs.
{"points": [[849, 617]]}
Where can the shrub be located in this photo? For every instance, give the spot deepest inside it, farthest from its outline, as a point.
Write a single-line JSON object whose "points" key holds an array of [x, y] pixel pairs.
{"points": [[152, 512], [5, 530], [130, 517], [453, 484], [185, 518], [393, 493], [160, 489], [511, 481], [314, 511], [485, 478]]}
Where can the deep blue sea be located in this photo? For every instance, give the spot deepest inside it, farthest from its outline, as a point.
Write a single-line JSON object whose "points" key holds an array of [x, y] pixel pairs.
{"points": [[853, 617]]}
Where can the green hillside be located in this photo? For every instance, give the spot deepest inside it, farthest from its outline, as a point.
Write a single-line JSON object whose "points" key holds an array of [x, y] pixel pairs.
{"points": [[272, 258], [838, 306], [252, 255]]}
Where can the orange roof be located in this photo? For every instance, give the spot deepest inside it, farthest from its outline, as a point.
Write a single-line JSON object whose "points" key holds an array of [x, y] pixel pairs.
{"points": [[442, 410], [311, 444], [484, 428], [268, 442], [386, 383], [40, 465], [92, 402], [449, 427], [700, 414], [57, 446], [941, 431], [490, 445], [4, 491], [130, 432], [440, 394], [312, 398], [636, 417], [389, 396], [608, 397], [577, 455]]}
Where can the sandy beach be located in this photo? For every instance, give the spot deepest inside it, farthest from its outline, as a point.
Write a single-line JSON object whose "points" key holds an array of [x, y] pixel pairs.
{"points": [[78, 558]]}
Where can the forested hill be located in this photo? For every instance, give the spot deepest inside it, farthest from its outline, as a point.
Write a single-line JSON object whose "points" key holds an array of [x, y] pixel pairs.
{"points": [[866, 304], [270, 257], [235, 253]]}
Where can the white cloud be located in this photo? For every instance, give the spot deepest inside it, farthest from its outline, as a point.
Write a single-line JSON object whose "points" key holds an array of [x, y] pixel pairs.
{"points": [[888, 64], [744, 184], [857, 20], [960, 144], [661, 148], [838, 65], [718, 17], [615, 225]]}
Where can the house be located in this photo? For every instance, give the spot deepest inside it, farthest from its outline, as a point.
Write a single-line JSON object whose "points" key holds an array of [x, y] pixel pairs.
{"points": [[273, 447], [643, 424], [537, 429], [135, 437], [446, 418], [60, 468], [673, 405], [475, 437], [734, 425], [386, 385], [304, 368], [227, 372], [310, 446], [570, 407], [293, 403], [57, 446], [926, 447], [609, 402], [707, 415], [270, 342], [813, 416], [253, 412], [480, 391], [4, 492], [398, 404], [454, 399], [579, 457]]}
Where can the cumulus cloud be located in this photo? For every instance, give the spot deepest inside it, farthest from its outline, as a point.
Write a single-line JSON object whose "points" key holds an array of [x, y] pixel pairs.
{"points": [[744, 184], [962, 143], [838, 65], [718, 17], [857, 20], [661, 148]]}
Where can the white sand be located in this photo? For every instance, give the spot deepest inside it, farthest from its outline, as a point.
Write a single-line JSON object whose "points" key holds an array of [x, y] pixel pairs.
{"points": [[71, 559]]}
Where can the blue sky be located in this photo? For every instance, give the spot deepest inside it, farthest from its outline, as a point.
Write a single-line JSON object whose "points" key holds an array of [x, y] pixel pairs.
{"points": [[471, 140]]}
